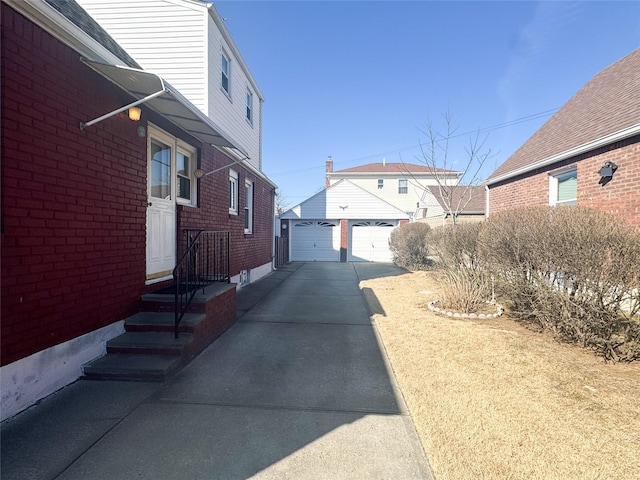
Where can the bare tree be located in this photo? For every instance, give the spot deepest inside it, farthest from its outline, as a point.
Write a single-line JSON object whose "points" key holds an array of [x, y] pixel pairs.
{"points": [[454, 196], [280, 202]]}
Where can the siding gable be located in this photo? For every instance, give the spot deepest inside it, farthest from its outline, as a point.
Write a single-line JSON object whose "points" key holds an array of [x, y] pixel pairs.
{"points": [[346, 201]]}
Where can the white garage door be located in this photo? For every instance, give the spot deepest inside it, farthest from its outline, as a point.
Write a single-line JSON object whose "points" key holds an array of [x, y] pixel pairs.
{"points": [[370, 241], [315, 241]]}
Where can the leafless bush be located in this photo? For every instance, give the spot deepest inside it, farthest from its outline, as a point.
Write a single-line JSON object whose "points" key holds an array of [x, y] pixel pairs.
{"points": [[464, 290], [466, 284], [575, 271], [456, 245], [408, 245]]}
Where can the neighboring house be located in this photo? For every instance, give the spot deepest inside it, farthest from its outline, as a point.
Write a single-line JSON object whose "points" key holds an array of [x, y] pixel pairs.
{"points": [[94, 217], [352, 219], [586, 154], [401, 184], [342, 223], [439, 204]]}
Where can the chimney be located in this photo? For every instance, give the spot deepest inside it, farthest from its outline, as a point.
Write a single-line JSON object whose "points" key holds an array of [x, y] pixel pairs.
{"points": [[329, 169], [384, 161]]}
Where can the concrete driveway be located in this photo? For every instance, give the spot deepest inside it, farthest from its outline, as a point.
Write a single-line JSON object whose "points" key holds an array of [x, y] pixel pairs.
{"points": [[298, 388]]}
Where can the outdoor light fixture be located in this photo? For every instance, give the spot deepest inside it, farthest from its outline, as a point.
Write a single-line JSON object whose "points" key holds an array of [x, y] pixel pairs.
{"points": [[606, 173], [134, 113]]}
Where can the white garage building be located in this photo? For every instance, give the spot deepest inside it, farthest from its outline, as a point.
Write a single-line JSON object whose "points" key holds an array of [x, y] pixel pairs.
{"points": [[342, 223]]}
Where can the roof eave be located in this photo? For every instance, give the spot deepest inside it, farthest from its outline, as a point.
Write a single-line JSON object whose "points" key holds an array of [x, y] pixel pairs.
{"points": [[586, 147]]}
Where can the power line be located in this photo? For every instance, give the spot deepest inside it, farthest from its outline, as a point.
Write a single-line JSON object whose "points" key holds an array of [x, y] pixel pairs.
{"points": [[510, 123]]}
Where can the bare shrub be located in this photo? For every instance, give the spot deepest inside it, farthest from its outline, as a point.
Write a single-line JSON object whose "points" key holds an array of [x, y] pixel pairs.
{"points": [[408, 245], [466, 285], [464, 290], [574, 271]]}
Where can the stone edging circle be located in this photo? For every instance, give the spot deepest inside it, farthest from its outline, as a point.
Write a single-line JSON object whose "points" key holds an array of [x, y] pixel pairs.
{"points": [[432, 305]]}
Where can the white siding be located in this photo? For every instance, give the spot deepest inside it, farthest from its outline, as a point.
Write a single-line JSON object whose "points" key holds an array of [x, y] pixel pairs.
{"points": [[180, 41], [389, 193], [230, 111], [345, 200], [164, 37]]}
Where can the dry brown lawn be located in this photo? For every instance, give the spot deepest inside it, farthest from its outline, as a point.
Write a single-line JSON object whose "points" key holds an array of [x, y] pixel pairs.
{"points": [[493, 400]]}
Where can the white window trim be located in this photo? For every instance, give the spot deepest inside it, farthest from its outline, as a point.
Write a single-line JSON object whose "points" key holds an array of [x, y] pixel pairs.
{"points": [[233, 195], [248, 206], [406, 186], [553, 186], [186, 149], [249, 106], [226, 91], [155, 133], [380, 183]]}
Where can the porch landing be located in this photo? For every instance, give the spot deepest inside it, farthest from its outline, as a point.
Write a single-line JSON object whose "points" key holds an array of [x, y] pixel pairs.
{"points": [[148, 351]]}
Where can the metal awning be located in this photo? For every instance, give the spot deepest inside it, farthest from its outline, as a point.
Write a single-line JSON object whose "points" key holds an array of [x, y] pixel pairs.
{"points": [[157, 94]]}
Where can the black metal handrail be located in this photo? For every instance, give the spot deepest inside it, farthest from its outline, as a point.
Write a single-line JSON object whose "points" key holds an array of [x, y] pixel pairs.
{"points": [[205, 261]]}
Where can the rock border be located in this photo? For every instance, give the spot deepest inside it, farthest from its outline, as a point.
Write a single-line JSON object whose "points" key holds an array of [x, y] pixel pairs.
{"points": [[432, 305]]}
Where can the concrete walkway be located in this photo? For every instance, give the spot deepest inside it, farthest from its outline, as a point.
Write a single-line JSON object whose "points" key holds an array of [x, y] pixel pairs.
{"points": [[298, 388]]}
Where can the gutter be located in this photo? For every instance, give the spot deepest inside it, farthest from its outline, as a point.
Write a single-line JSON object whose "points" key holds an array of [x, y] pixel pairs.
{"points": [[586, 147]]}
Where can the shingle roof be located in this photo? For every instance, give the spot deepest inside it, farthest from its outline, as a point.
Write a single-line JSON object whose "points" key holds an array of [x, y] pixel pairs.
{"points": [[81, 19], [470, 197], [392, 168], [607, 104]]}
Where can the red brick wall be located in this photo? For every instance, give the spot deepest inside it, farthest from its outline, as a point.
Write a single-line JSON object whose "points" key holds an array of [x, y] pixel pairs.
{"points": [[247, 250], [74, 202], [621, 196]]}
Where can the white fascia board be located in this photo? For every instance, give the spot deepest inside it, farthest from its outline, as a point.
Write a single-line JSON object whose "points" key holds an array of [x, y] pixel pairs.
{"points": [[249, 167], [234, 49], [586, 147], [52, 21]]}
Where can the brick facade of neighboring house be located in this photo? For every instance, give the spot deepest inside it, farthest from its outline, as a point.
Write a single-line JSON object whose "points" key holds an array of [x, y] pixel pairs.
{"points": [[600, 124], [74, 202]]}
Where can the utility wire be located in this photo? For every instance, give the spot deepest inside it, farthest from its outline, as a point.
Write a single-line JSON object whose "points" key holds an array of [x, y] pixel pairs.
{"points": [[510, 123]]}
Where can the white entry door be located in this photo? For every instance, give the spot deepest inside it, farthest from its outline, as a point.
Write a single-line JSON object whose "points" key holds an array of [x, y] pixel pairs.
{"points": [[315, 241], [370, 241], [161, 208]]}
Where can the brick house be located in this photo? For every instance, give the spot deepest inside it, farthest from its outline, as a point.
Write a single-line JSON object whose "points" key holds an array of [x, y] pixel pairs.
{"points": [[79, 242], [587, 153]]}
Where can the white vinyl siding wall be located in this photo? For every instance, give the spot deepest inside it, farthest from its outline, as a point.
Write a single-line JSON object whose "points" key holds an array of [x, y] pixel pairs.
{"points": [[344, 200], [407, 202], [165, 38], [231, 110], [180, 41]]}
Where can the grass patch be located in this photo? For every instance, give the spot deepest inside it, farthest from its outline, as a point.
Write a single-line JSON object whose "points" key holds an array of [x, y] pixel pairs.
{"points": [[493, 400]]}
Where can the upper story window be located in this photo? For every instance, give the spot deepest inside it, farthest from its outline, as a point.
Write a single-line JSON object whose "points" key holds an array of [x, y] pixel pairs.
{"points": [[226, 74], [563, 187], [402, 186], [380, 183], [249, 107], [248, 207], [233, 192]]}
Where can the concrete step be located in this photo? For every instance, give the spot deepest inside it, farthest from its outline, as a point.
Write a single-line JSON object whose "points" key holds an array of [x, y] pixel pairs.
{"points": [[153, 368], [161, 322], [150, 343]]}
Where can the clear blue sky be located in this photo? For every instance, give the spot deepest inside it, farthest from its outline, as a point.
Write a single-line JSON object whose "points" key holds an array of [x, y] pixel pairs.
{"points": [[359, 80]]}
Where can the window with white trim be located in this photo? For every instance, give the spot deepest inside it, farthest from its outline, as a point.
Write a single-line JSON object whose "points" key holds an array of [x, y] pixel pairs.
{"points": [[249, 106], [233, 192], [226, 74], [402, 186], [172, 166], [563, 187], [248, 206], [380, 183], [185, 179]]}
